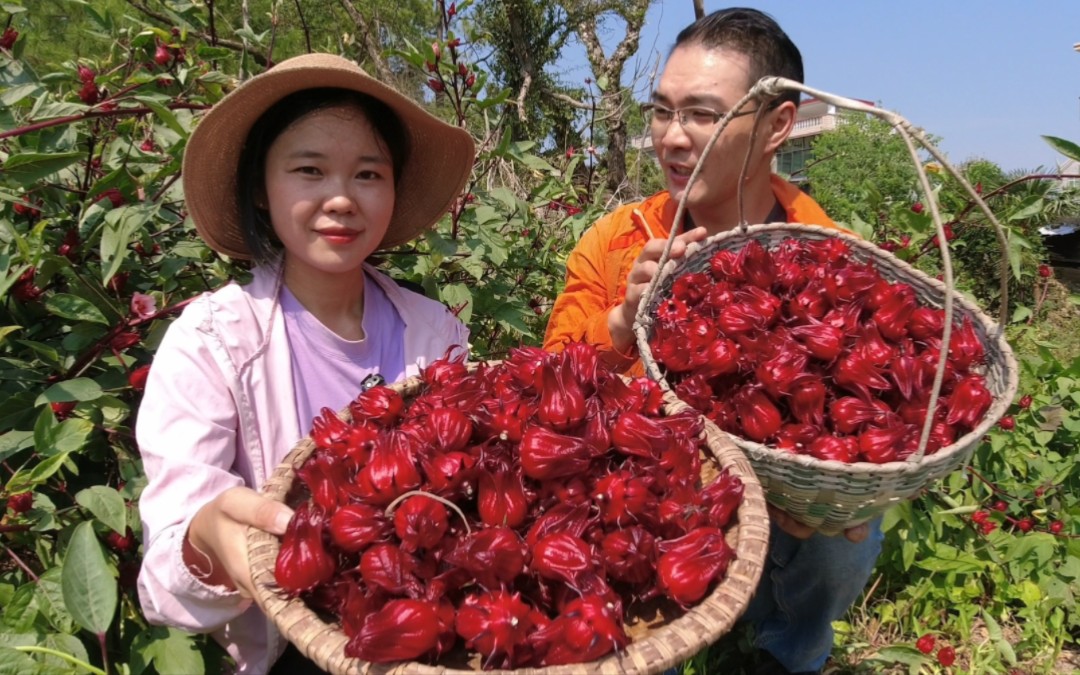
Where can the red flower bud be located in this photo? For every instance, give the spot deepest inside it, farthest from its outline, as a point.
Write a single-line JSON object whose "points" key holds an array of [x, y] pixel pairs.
{"points": [[845, 449], [821, 340], [691, 564], [849, 413], [7, 40], [1025, 401], [137, 377], [124, 340], [759, 416], [588, 628], [389, 474], [493, 556], [546, 454], [387, 567], [946, 656], [562, 401], [436, 85], [89, 93], [436, 50], [380, 404], [628, 554], [925, 644], [497, 625], [562, 557], [1007, 423], [420, 522], [354, 527], [1045, 271], [402, 630], [965, 349], [20, 502], [623, 498], [501, 499], [917, 207], [162, 55], [303, 562], [86, 74], [969, 402]]}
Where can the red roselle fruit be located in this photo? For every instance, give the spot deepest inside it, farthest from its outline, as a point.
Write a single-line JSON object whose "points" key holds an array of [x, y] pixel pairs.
{"points": [[501, 499], [303, 562], [494, 556], [354, 527], [562, 401], [420, 522], [497, 625], [20, 502], [401, 630], [925, 644], [691, 564], [588, 628], [547, 454], [946, 656]]}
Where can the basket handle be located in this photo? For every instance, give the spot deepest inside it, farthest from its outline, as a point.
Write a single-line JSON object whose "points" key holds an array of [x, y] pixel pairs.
{"points": [[768, 88]]}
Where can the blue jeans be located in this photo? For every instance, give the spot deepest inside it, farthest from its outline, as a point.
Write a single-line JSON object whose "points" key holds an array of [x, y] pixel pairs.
{"points": [[806, 585]]}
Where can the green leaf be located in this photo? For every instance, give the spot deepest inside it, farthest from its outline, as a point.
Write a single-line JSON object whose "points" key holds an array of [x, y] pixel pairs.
{"points": [[73, 307], [13, 441], [513, 318], [172, 652], [30, 167], [456, 295], [163, 113], [88, 586], [1067, 148], [107, 506], [15, 663], [120, 227], [17, 93], [79, 389], [50, 600], [66, 437], [7, 330], [208, 53], [1031, 207], [27, 480]]}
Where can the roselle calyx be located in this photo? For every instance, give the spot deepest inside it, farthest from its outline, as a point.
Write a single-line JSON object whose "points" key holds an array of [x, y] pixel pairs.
{"points": [[562, 401], [354, 527], [497, 625], [420, 522], [493, 556], [759, 416], [969, 401], [380, 404], [303, 561], [501, 499], [628, 554], [401, 630], [689, 565], [386, 566], [546, 454], [588, 627]]}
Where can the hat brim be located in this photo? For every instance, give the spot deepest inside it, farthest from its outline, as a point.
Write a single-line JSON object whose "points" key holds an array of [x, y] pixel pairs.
{"points": [[440, 156]]}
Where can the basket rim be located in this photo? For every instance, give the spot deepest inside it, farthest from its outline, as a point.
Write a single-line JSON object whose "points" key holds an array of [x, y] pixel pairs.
{"points": [[995, 335], [695, 628]]}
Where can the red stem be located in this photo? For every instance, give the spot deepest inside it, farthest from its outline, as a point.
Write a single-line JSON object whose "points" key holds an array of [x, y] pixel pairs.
{"points": [[116, 112]]}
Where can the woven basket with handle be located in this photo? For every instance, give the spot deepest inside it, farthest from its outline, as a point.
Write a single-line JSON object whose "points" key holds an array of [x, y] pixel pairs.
{"points": [[832, 495], [662, 637]]}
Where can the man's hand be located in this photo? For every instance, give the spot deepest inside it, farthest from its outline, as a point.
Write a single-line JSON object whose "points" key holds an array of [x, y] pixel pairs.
{"points": [[621, 317], [788, 524], [215, 548]]}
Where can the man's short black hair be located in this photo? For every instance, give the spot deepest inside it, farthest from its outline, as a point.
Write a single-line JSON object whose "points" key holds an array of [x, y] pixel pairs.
{"points": [[753, 33], [251, 169]]}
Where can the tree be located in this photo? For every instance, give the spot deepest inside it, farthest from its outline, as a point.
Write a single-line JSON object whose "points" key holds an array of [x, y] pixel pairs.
{"points": [[860, 168]]}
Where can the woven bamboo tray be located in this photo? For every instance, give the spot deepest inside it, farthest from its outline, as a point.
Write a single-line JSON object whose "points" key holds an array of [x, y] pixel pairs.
{"points": [[828, 495], [662, 639], [833, 495]]}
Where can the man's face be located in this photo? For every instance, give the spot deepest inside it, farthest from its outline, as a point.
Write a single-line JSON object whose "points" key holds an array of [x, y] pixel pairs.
{"points": [[700, 77]]}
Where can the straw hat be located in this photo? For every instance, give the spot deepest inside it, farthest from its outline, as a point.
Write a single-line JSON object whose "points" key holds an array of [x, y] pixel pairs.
{"points": [[439, 162]]}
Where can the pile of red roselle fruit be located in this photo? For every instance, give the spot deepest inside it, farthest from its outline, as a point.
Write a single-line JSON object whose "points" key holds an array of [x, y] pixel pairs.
{"points": [[806, 349], [515, 509]]}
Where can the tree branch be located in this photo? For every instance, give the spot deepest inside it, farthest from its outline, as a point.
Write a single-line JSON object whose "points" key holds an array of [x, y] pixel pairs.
{"points": [[371, 46], [259, 57]]}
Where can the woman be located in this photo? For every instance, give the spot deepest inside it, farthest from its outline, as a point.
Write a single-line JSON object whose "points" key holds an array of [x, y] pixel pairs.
{"points": [[306, 170]]}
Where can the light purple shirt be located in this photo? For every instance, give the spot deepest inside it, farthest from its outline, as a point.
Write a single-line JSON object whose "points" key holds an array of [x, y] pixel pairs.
{"points": [[328, 370]]}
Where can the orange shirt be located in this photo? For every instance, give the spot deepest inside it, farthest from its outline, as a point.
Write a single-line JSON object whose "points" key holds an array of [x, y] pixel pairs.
{"points": [[597, 268]]}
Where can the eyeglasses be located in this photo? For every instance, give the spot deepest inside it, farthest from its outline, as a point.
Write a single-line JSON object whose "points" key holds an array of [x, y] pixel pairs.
{"points": [[692, 118]]}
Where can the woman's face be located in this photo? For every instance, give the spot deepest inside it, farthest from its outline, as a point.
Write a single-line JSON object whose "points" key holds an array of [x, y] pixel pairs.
{"points": [[330, 192]]}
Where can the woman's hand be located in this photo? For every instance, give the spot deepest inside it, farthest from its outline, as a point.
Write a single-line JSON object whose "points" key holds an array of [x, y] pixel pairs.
{"points": [[787, 523], [621, 317], [215, 548]]}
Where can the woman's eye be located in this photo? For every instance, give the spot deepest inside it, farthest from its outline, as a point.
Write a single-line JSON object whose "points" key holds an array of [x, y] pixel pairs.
{"points": [[307, 170], [369, 175]]}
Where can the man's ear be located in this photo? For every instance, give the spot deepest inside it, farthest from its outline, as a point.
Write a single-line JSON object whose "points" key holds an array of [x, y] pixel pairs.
{"points": [[781, 123]]}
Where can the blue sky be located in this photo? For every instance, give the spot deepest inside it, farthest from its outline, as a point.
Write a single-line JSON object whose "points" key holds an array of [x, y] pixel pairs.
{"points": [[988, 78]]}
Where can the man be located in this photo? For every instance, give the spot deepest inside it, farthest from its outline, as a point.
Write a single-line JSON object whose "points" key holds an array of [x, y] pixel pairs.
{"points": [[810, 579]]}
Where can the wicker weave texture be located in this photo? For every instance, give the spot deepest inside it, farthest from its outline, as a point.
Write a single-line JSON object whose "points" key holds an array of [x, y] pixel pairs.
{"points": [[831, 495], [657, 646]]}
